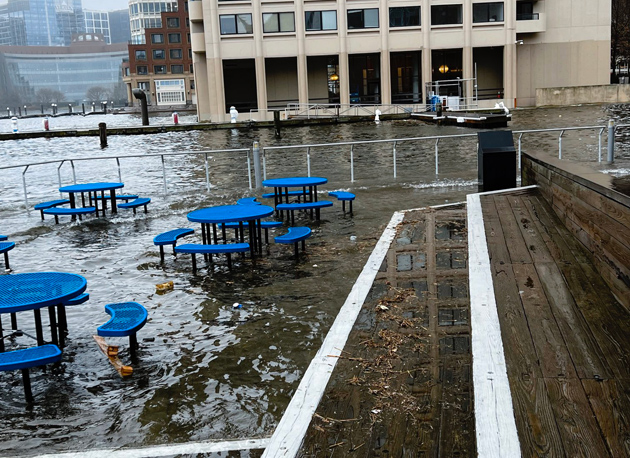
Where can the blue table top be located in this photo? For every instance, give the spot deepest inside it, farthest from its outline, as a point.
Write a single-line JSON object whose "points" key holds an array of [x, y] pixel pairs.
{"points": [[294, 182], [91, 187], [230, 213], [28, 291]]}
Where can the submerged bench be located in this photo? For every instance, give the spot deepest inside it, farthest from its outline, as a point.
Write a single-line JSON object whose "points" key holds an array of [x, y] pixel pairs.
{"points": [[26, 358], [226, 248], [269, 195], [57, 211], [304, 206], [3, 238], [5, 247], [140, 202], [50, 204], [170, 238], [343, 196], [248, 201], [266, 225], [295, 235], [127, 318], [125, 197]]}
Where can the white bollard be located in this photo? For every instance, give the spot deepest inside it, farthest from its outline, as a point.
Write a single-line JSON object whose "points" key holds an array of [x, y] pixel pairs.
{"points": [[377, 115], [175, 118], [233, 114], [14, 125]]}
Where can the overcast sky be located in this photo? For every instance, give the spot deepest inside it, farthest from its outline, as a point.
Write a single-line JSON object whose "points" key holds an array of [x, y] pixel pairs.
{"points": [[108, 5]]}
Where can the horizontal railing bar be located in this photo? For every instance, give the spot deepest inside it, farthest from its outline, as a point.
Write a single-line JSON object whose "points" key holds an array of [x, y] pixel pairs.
{"points": [[55, 161]]}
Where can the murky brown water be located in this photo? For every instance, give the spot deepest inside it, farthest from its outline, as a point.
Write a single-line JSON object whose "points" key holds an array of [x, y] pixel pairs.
{"points": [[207, 370]]}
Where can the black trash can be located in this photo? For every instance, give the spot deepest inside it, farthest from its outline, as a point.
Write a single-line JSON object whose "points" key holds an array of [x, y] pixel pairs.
{"points": [[496, 160]]}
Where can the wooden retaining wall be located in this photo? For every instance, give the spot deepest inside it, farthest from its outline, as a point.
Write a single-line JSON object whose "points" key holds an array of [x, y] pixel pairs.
{"points": [[592, 210]]}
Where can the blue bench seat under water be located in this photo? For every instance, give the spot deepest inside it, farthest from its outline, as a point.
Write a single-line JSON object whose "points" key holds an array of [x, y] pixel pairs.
{"points": [[225, 248], [343, 196], [270, 195], [248, 201], [127, 318], [59, 211], [3, 238], [125, 197], [304, 206], [295, 235], [139, 202], [266, 225], [170, 238], [26, 358], [5, 247], [51, 203]]}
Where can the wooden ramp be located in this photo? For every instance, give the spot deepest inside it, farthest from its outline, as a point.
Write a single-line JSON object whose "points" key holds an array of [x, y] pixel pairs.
{"points": [[402, 386], [566, 338]]}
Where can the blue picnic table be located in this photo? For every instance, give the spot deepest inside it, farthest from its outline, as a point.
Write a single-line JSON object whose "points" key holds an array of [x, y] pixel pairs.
{"points": [[93, 188], [37, 290]]}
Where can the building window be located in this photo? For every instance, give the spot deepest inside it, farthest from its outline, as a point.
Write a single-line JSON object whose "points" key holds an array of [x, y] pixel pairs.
{"points": [[190, 53], [192, 84], [232, 24], [141, 54], [321, 20], [170, 92], [175, 53], [177, 69], [127, 71], [446, 14], [157, 38], [174, 37], [191, 68], [159, 69], [142, 70], [488, 12], [363, 19], [187, 23], [172, 22], [405, 16], [525, 11], [159, 54], [278, 22]]}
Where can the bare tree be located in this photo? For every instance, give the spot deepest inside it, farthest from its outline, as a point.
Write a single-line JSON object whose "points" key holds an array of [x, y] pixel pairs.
{"points": [[46, 95], [97, 93]]}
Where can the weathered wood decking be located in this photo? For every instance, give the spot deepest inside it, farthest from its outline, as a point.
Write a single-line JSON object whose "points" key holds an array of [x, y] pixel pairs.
{"points": [[403, 384], [566, 337]]}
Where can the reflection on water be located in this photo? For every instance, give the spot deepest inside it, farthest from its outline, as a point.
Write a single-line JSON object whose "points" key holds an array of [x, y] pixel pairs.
{"points": [[208, 370]]}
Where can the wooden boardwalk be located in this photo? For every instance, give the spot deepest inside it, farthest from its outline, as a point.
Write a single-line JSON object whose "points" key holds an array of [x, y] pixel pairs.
{"points": [[403, 386], [566, 337]]}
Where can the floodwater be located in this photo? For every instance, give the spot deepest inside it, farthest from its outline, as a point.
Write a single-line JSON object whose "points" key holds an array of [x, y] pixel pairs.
{"points": [[208, 370]]}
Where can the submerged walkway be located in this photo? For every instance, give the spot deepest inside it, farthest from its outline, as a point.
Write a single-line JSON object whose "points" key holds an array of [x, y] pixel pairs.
{"points": [[402, 386], [566, 337]]}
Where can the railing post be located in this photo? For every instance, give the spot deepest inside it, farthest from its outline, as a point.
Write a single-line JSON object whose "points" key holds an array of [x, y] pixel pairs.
{"points": [[24, 186], [519, 150], [264, 161], [74, 173], [599, 145], [249, 169], [611, 140], [59, 176], [208, 173], [436, 156], [119, 172], [257, 173], [308, 160], [560, 144], [352, 163], [394, 159], [164, 174]]}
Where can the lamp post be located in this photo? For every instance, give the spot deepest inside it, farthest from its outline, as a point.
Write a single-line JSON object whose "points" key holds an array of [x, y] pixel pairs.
{"points": [[8, 112], [93, 107], [105, 107], [54, 108], [69, 108], [25, 112]]}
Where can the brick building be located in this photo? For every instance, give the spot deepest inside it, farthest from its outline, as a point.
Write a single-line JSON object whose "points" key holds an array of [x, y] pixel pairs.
{"points": [[162, 66]]}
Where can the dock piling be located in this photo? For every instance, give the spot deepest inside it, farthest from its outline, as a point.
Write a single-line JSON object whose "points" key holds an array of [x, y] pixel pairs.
{"points": [[611, 140], [102, 133]]}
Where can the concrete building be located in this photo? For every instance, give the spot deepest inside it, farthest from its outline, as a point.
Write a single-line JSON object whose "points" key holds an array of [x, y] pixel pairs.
{"points": [[72, 70], [161, 64], [262, 54]]}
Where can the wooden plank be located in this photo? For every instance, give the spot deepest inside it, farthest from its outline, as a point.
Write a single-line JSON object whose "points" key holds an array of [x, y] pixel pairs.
{"points": [[497, 249], [553, 354], [585, 353], [608, 321], [515, 243], [610, 401], [534, 242], [576, 422]]}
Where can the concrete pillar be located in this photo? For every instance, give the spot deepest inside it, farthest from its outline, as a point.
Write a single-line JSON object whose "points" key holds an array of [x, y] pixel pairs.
{"points": [[386, 73], [509, 55], [302, 67], [468, 66], [427, 76], [344, 68], [261, 77]]}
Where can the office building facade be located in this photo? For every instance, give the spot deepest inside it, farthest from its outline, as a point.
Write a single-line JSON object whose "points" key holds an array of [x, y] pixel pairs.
{"points": [[145, 14], [161, 64], [262, 54], [113, 25]]}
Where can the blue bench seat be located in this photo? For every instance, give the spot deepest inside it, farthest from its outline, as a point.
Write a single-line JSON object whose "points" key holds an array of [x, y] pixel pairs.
{"points": [[248, 201], [266, 225], [226, 248], [26, 358], [125, 197], [127, 318], [304, 206], [269, 195], [295, 235], [51, 203], [170, 238], [3, 238], [63, 211], [139, 202], [343, 196], [80, 299], [5, 247]]}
